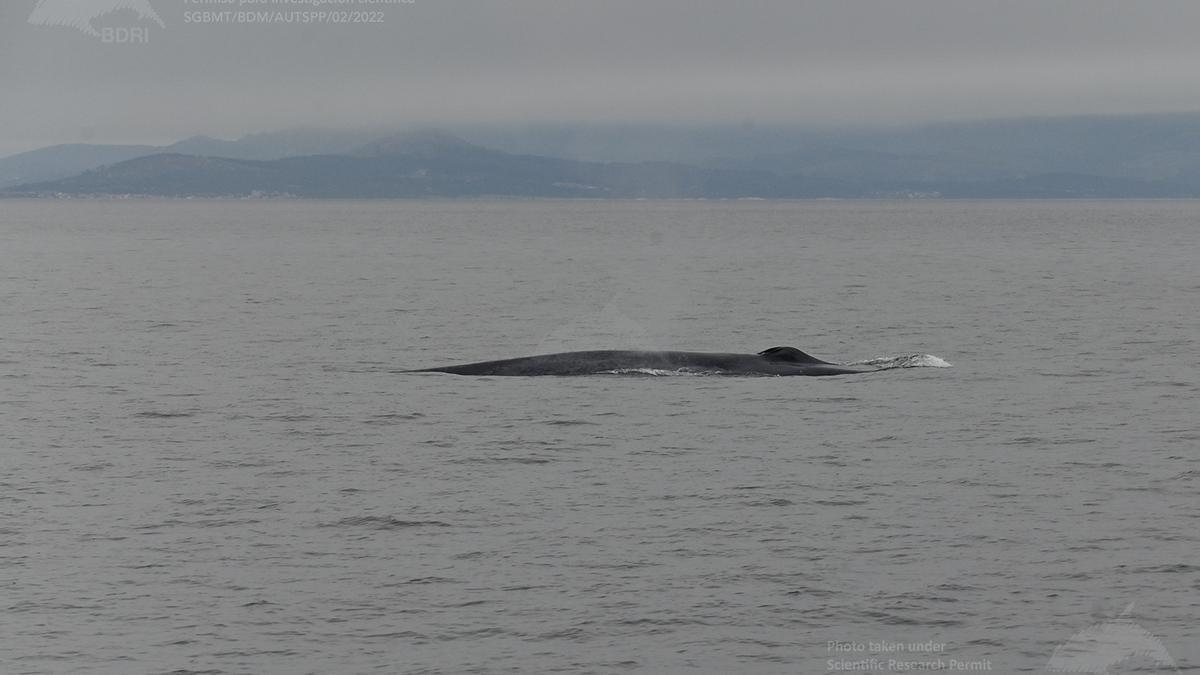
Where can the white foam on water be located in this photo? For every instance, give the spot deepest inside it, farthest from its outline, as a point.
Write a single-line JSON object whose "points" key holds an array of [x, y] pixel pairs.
{"points": [[904, 361], [658, 372]]}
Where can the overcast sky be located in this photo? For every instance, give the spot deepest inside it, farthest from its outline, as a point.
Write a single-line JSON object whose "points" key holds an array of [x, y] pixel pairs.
{"points": [[681, 61]]}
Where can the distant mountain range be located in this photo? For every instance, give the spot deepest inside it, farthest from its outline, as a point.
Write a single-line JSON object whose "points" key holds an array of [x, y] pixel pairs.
{"points": [[61, 161], [1143, 156], [421, 164]]}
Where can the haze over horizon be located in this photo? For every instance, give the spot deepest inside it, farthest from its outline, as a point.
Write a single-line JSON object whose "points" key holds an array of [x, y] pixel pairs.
{"points": [[855, 63]]}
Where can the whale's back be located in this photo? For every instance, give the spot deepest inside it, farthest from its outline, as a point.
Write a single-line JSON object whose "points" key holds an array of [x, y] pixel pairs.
{"points": [[773, 361]]}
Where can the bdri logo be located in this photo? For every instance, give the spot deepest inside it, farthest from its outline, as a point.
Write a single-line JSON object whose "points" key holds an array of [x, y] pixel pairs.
{"points": [[80, 14], [1101, 646]]}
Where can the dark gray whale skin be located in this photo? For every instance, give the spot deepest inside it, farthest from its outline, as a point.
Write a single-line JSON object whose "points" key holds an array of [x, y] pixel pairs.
{"points": [[773, 361]]}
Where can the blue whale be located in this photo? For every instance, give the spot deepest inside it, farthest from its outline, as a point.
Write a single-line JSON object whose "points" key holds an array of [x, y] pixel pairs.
{"points": [[773, 361]]}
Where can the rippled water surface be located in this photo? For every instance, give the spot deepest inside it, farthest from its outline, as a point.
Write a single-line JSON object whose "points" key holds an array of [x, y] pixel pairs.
{"points": [[210, 464]]}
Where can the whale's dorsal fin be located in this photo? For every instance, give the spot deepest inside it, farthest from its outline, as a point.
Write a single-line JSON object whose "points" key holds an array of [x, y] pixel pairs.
{"points": [[788, 354]]}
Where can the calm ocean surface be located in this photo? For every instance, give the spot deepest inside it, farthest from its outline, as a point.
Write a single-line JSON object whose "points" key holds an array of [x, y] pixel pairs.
{"points": [[211, 466]]}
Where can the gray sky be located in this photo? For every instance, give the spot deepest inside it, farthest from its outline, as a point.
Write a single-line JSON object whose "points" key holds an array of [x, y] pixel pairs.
{"points": [[687, 61]]}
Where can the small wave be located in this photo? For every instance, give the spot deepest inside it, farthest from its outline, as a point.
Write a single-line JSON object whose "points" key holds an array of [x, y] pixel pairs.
{"points": [[844, 501], [421, 581], [502, 460], [771, 502], [96, 466], [904, 361], [393, 418], [385, 523], [1174, 568]]}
